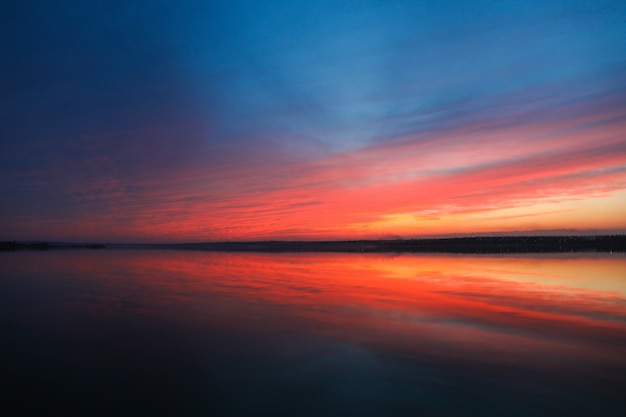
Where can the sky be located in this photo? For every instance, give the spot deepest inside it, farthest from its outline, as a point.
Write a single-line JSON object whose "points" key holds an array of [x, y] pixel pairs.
{"points": [[174, 121]]}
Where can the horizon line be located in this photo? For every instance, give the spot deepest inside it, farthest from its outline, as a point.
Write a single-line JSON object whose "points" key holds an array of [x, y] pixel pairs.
{"points": [[345, 240]]}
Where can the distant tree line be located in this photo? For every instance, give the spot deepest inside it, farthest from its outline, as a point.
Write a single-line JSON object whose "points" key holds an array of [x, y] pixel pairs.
{"points": [[492, 244]]}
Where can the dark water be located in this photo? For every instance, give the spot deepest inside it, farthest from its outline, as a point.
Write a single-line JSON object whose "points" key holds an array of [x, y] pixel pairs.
{"points": [[216, 334]]}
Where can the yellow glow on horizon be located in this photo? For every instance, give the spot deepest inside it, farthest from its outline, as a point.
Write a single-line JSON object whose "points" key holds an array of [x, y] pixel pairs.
{"points": [[600, 212]]}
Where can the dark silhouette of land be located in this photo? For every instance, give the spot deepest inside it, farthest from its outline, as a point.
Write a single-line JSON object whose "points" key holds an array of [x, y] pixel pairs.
{"points": [[13, 245], [492, 244]]}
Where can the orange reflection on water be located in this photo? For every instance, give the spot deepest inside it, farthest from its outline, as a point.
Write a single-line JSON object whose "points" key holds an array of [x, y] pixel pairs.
{"points": [[499, 309], [536, 330], [524, 325]]}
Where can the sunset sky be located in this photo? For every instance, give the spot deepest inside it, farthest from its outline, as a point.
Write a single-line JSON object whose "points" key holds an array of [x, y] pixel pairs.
{"points": [[171, 121]]}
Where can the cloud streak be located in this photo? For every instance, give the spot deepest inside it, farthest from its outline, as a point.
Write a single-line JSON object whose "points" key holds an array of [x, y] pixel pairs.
{"points": [[228, 121]]}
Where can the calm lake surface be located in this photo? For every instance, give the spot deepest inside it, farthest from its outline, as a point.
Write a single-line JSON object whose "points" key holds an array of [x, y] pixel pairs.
{"points": [[125, 332]]}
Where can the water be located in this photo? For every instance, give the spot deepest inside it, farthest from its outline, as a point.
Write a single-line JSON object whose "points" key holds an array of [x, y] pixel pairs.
{"points": [[121, 332]]}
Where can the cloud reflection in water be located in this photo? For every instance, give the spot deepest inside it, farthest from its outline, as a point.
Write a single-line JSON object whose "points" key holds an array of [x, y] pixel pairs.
{"points": [[316, 334]]}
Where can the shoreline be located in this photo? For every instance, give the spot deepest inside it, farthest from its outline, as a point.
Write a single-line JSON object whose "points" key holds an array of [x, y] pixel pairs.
{"points": [[478, 245]]}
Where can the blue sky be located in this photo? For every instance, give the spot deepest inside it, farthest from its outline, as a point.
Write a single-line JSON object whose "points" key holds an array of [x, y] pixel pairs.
{"points": [[101, 100]]}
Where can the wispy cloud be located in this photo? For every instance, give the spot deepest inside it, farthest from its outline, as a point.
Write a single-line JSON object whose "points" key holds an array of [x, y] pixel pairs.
{"points": [[228, 121]]}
